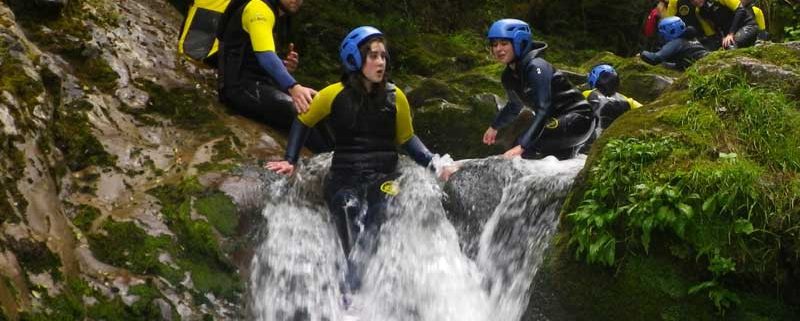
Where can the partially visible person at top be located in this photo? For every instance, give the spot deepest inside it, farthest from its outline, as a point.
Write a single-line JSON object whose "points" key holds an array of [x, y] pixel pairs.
{"points": [[681, 49], [370, 117], [606, 102], [687, 11], [253, 80], [563, 120], [734, 22]]}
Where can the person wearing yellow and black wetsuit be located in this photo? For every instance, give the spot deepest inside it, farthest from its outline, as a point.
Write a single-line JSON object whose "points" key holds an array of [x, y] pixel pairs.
{"points": [[736, 24], [681, 49], [252, 79], [370, 117], [607, 103], [563, 120]]}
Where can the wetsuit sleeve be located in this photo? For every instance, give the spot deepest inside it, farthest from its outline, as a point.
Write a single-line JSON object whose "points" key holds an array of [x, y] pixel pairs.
{"points": [[321, 105], [403, 127], [275, 67], [258, 21], [506, 115], [739, 16], [539, 75], [417, 150], [297, 138], [586, 93], [667, 51]]}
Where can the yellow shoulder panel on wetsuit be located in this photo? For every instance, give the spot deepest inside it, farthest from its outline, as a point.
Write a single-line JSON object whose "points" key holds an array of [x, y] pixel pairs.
{"points": [[321, 105], [672, 8], [731, 4], [586, 93], [708, 27], [217, 6], [762, 25], [403, 129], [258, 20], [632, 102]]}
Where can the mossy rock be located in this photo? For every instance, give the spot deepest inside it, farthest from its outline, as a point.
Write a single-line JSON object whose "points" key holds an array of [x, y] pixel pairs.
{"points": [[700, 178]]}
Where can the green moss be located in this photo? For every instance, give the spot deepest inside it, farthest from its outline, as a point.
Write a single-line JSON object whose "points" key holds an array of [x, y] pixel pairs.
{"points": [[16, 81], [34, 256], [66, 34], [211, 279], [199, 248], [183, 107], [84, 216], [72, 134], [69, 305], [220, 211], [12, 165], [227, 149], [126, 245]]}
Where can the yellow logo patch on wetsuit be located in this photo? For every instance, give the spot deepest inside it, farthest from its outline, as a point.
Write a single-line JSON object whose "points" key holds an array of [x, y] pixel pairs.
{"points": [[683, 10], [552, 124], [390, 188]]}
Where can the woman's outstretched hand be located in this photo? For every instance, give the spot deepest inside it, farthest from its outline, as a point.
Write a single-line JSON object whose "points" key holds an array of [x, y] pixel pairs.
{"points": [[516, 151], [446, 171], [280, 167]]}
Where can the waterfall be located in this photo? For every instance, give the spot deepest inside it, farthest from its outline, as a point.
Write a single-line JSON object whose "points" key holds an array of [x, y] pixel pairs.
{"points": [[418, 270]]}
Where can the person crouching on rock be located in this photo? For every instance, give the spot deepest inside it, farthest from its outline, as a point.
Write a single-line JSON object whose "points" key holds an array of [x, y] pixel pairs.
{"points": [[563, 120], [681, 49]]}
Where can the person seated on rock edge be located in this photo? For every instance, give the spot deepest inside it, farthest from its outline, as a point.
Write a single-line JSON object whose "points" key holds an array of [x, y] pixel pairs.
{"points": [[733, 20], [606, 102], [370, 117], [253, 80], [563, 120], [681, 49]]}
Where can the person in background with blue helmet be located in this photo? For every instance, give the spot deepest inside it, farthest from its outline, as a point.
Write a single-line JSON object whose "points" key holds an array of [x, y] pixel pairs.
{"points": [[563, 120], [681, 49], [370, 117], [607, 103]]}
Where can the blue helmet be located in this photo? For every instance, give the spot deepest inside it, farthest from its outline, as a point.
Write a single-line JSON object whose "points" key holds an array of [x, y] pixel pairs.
{"points": [[671, 28], [348, 51], [517, 31], [598, 71]]}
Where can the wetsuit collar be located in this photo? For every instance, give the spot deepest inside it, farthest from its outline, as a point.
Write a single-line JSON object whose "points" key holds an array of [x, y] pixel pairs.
{"points": [[536, 50]]}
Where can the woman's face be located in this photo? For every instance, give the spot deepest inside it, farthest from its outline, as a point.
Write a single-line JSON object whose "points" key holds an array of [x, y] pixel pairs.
{"points": [[502, 51], [375, 65]]}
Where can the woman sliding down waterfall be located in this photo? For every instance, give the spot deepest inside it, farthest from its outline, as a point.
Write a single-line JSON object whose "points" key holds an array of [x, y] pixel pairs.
{"points": [[370, 116]]}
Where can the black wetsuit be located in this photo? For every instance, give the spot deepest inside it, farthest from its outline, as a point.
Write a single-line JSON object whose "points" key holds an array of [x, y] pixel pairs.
{"points": [[563, 120], [739, 21], [368, 128], [247, 88], [676, 54]]}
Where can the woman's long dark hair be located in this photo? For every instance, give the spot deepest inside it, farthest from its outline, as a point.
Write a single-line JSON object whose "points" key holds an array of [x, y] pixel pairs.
{"points": [[356, 79]]}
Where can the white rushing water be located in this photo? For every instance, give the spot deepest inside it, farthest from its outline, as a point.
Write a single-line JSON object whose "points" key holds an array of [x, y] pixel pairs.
{"points": [[418, 271]]}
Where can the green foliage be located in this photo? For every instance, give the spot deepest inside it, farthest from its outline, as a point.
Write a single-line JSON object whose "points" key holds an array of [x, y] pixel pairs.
{"points": [[597, 217]]}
